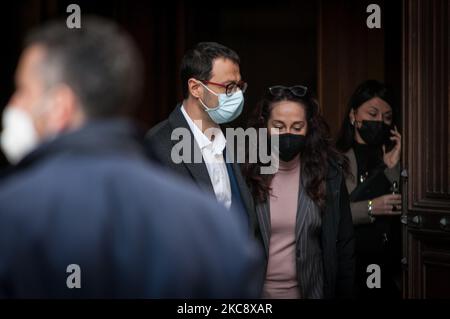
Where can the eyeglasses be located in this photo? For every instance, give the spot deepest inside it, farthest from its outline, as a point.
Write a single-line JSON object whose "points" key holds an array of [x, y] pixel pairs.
{"points": [[280, 90], [230, 88]]}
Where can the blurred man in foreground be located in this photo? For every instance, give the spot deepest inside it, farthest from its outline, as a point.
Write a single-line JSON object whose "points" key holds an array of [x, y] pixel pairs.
{"points": [[85, 214]]}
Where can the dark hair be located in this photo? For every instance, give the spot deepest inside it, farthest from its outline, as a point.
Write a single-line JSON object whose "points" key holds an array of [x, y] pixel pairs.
{"points": [[315, 159], [99, 62], [363, 93], [198, 62]]}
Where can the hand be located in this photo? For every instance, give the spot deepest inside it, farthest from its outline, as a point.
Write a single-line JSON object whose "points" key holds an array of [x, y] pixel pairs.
{"points": [[392, 158], [387, 205]]}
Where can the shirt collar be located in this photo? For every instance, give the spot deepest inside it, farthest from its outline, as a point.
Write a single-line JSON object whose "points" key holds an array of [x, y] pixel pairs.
{"points": [[216, 146]]}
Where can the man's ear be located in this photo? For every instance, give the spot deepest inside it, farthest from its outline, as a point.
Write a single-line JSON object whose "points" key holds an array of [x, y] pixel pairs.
{"points": [[67, 109], [195, 88]]}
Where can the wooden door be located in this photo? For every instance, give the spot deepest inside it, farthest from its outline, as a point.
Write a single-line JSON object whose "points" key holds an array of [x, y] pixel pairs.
{"points": [[426, 151]]}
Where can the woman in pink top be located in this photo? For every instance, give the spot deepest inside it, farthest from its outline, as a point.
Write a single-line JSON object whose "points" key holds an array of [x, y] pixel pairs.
{"points": [[303, 209]]}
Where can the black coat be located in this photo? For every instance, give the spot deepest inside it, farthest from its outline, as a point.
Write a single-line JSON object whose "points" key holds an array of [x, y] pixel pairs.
{"points": [[92, 198], [338, 243]]}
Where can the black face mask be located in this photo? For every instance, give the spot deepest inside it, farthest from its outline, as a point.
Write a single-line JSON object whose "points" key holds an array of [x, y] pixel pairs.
{"points": [[290, 145], [374, 132]]}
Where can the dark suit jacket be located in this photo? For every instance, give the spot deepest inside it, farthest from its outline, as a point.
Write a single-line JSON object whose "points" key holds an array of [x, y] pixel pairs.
{"points": [[92, 198], [337, 241], [161, 145]]}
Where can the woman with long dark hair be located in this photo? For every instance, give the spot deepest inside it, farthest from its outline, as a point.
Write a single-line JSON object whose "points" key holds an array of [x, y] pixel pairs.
{"points": [[303, 208], [372, 144]]}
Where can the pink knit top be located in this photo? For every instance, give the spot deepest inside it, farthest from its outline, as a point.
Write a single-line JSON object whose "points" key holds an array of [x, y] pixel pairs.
{"points": [[281, 277]]}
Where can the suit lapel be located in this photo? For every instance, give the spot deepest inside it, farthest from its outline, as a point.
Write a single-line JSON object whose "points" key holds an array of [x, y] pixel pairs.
{"points": [[303, 209], [198, 171], [263, 216]]}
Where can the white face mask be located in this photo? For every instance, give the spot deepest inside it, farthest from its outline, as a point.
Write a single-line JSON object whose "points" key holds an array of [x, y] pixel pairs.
{"points": [[229, 108], [19, 136]]}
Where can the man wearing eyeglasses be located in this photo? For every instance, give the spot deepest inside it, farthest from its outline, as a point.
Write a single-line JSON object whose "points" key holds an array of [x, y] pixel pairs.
{"points": [[213, 95]]}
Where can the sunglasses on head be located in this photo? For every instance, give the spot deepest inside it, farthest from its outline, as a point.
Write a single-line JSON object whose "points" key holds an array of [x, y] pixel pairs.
{"points": [[280, 90]]}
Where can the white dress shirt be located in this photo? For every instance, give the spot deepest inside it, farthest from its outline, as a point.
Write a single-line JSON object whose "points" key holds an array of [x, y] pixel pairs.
{"points": [[212, 152]]}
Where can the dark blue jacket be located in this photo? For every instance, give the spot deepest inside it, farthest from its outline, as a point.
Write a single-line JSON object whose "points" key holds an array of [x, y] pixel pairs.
{"points": [[92, 198]]}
